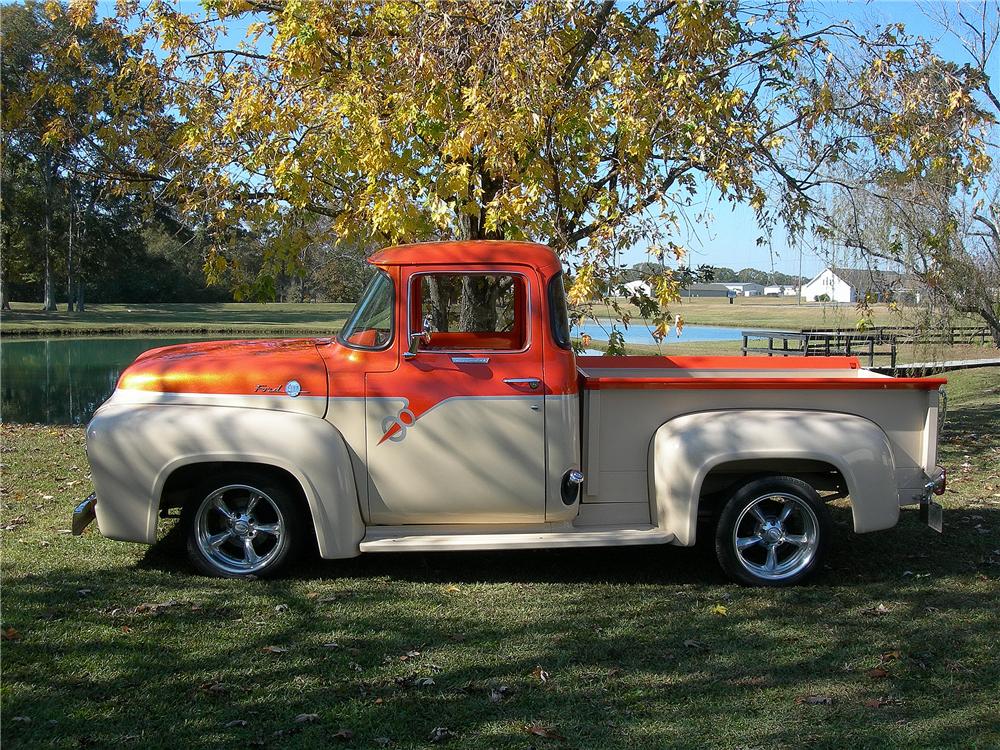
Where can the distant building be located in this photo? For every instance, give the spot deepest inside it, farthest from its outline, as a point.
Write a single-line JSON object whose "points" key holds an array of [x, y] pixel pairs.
{"points": [[781, 290], [724, 289], [855, 284]]}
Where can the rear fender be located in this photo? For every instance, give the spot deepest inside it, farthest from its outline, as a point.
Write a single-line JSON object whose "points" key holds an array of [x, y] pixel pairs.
{"points": [[685, 449]]}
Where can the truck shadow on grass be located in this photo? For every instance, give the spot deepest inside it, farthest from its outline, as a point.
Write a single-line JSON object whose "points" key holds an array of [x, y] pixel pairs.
{"points": [[636, 649], [909, 549]]}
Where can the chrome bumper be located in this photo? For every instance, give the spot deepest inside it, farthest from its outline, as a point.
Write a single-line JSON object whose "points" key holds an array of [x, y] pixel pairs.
{"points": [[84, 513]]}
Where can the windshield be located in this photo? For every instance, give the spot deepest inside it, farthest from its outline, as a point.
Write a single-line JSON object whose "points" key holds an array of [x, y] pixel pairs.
{"points": [[370, 325]]}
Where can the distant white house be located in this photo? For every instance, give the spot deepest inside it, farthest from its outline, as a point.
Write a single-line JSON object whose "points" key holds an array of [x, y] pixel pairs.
{"points": [[639, 287], [781, 290], [852, 285]]}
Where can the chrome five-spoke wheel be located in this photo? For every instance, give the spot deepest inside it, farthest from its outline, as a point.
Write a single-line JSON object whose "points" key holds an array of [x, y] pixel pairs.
{"points": [[776, 536], [242, 528], [772, 532]]}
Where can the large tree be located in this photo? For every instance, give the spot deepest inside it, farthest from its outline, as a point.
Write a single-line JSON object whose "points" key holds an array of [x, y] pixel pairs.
{"points": [[83, 124], [586, 125]]}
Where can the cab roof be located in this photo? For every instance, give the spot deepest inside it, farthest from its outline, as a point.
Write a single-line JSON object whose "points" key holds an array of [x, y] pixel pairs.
{"points": [[469, 252]]}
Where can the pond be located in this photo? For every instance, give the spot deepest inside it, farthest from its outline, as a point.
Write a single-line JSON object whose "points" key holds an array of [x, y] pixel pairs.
{"points": [[64, 380], [638, 333]]}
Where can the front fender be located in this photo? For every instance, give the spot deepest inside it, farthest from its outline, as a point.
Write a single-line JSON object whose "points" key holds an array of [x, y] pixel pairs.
{"points": [[134, 448], [685, 449]]}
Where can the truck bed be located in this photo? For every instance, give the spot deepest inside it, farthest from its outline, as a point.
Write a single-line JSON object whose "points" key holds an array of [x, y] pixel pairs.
{"points": [[626, 399], [712, 373]]}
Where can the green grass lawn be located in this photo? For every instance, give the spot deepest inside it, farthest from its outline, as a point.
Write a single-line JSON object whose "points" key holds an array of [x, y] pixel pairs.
{"points": [[26, 319], [895, 645], [747, 312]]}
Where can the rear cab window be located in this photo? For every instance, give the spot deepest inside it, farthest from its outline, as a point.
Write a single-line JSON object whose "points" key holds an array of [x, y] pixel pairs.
{"points": [[471, 311]]}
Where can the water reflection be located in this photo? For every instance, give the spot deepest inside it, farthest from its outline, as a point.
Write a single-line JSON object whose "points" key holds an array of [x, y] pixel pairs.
{"points": [[63, 381]]}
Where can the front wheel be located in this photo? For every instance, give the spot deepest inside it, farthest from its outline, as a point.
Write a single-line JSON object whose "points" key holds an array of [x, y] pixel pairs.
{"points": [[242, 527], [773, 532]]}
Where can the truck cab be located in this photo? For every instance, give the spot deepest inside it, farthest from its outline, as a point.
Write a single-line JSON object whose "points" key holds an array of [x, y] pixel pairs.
{"points": [[468, 373]]}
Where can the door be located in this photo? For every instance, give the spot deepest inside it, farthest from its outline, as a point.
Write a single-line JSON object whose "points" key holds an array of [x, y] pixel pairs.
{"points": [[457, 433]]}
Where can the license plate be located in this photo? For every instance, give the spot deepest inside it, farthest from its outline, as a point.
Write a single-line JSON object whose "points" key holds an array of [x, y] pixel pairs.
{"points": [[932, 514]]}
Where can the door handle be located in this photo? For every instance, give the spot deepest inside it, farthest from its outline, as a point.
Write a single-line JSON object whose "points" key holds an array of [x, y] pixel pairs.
{"points": [[470, 360], [532, 383]]}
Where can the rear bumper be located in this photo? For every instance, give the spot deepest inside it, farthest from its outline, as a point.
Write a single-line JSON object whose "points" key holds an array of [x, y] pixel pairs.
{"points": [[84, 513], [931, 512]]}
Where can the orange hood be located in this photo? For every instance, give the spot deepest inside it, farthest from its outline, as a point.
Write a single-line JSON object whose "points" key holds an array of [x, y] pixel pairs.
{"points": [[280, 368]]}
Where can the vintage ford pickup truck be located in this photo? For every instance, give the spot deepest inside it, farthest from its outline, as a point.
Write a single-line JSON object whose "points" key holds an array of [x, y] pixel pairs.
{"points": [[451, 413]]}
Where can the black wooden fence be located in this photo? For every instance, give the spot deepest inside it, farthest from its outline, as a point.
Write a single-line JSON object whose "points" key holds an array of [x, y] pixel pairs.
{"points": [[875, 347]]}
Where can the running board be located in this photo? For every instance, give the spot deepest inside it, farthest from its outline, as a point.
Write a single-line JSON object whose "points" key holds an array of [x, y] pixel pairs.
{"points": [[450, 538]]}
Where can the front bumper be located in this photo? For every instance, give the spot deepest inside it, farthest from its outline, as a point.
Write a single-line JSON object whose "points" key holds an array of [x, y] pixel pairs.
{"points": [[84, 513]]}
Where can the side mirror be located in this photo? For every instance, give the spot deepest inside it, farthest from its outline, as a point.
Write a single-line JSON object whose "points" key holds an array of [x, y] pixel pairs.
{"points": [[416, 339]]}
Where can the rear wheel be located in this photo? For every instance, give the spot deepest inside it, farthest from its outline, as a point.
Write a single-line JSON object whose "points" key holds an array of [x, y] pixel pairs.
{"points": [[773, 532], [238, 527]]}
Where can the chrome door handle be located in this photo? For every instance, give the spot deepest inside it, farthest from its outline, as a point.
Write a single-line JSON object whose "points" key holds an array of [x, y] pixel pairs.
{"points": [[470, 360], [532, 383]]}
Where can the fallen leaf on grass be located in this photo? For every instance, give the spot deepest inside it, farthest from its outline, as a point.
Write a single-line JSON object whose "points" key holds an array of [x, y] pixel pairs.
{"points": [[540, 674], [878, 673], [312, 594], [331, 644], [23, 719], [815, 700], [343, 735], [306, 718], [274, 650], [10, 634], [887, 700], [889, 656], [215, 687], [85, 592], [692, 643], [236, 723], [440, 734], [539, 730], [452, 589], [879, 609], [281, 608], [126, 629], [498, 693], [155, 608]]}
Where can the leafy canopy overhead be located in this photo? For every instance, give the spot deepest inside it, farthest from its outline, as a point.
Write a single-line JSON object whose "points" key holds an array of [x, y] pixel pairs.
{"points": [[592, 126]]}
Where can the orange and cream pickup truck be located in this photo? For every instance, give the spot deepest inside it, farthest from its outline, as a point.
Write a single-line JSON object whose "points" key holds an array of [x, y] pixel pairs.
{"points": [[451, 413]]}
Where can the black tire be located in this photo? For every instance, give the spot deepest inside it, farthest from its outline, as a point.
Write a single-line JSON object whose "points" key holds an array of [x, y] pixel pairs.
{"points": [[774, 510], [277, 510]]}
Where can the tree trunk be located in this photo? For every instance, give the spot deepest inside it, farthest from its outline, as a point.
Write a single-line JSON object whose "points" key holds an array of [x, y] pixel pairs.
{"points": [[993, 323], [79, 295], [4, 294], [69, 263], [49, 301]]}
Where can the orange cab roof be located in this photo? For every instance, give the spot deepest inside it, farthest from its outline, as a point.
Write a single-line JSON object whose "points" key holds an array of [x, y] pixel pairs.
{"points": [[468, 252]]}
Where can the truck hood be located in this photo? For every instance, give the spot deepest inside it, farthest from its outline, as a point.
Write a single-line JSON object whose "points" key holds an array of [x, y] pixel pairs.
{"points": [[280, 374]]}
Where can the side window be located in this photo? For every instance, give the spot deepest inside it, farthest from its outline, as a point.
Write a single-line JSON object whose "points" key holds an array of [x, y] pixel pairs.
{"points": [[558, 312], [471, 311]]}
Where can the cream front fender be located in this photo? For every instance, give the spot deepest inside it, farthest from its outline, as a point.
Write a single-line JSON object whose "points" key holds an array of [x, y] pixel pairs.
{"points": [[134, 448], [685, 449]]}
